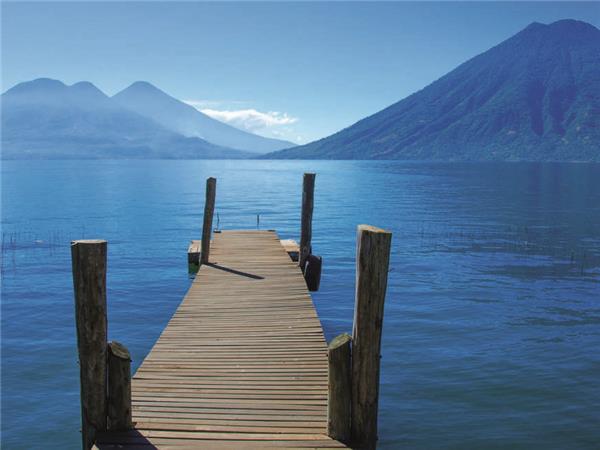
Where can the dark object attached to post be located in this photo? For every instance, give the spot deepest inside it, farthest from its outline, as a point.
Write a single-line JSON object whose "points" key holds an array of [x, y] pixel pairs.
{"points": [[372, 262], [312, 272], [89, 284], [119, 387], [209, 209]]}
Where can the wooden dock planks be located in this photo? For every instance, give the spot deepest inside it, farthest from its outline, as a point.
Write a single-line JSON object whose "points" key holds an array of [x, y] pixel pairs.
{"points": [[241, 364]]}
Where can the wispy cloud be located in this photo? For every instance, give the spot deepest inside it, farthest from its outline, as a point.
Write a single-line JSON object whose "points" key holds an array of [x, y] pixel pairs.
{"points": [[270, 123], [251, 119]]}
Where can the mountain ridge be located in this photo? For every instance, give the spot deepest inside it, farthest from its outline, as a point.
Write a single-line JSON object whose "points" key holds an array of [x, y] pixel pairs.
{"points": [[146, 99], [46, 119], [534, 96]]}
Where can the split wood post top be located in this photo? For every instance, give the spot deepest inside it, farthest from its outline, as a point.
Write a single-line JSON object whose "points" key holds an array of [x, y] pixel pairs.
{"points": [[372, 262], [89, 284], [308, 190], [209, 209]]}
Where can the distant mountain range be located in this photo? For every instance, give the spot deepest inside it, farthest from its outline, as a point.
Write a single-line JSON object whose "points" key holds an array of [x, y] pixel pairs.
{"points": [[149, 101], [535, 96], [45, 118]]}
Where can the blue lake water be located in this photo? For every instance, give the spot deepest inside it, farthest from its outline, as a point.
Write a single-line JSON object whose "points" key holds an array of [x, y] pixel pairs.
{"points": [[492, 319]]}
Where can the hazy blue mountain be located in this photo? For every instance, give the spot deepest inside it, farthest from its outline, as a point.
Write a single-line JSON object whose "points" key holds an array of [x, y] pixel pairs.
{"points": [[45, 118], [177, 116], [535, 96]]}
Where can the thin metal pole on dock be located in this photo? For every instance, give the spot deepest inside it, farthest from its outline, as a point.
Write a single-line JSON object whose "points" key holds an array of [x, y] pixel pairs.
{"points": [[308, 190], [372, 262], [89, 284], [209, 209]]}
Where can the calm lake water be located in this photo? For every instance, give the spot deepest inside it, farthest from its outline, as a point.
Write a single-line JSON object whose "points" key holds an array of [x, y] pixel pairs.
{"points": [[492, 319]]}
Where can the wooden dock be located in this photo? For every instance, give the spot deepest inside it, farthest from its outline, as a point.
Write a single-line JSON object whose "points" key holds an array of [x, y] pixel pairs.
{"points": [[243, 363]]}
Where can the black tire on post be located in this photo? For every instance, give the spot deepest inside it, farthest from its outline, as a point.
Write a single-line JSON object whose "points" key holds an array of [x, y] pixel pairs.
{"points": [[312, 272]]}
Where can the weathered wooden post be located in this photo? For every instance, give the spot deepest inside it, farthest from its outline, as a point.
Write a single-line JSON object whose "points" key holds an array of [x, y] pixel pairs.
{"points": [[308, 190], [119, 387], [209, 209], [89, 284], [372, 262], [339, 395]]}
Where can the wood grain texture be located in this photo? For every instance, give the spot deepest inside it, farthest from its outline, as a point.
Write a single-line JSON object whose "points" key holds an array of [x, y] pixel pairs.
{"points": [[372, 262], [119, 387], [308, 192], [88, 259], [339, 397], [241, 364], [209, 209]]}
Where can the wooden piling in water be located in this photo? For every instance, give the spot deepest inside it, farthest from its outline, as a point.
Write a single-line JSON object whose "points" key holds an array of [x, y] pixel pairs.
{"points": [[209, 209], [372, 262], [119, 388], [308, 190], [89, 284], [339, 395], [194, 251]]}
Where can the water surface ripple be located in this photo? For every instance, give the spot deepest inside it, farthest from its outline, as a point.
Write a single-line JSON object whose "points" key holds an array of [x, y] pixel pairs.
{"points": [[492, 320]]}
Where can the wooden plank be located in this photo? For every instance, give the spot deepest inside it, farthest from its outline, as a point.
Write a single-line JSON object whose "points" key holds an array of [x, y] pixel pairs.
{"points": [[243, 361]]}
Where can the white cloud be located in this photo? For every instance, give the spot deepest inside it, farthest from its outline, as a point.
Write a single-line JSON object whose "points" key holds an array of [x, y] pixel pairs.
{"points": [[251, 119], [273, 124]]}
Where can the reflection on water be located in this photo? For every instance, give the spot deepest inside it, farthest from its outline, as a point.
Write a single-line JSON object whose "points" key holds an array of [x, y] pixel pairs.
{"points": [[492, 320]]}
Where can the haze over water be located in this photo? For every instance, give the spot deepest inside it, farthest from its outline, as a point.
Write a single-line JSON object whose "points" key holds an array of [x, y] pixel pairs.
{"points": [[492, 320]]}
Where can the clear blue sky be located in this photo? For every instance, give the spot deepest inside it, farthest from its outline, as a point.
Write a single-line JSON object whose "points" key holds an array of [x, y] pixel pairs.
{"points": [[321, 66]]}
